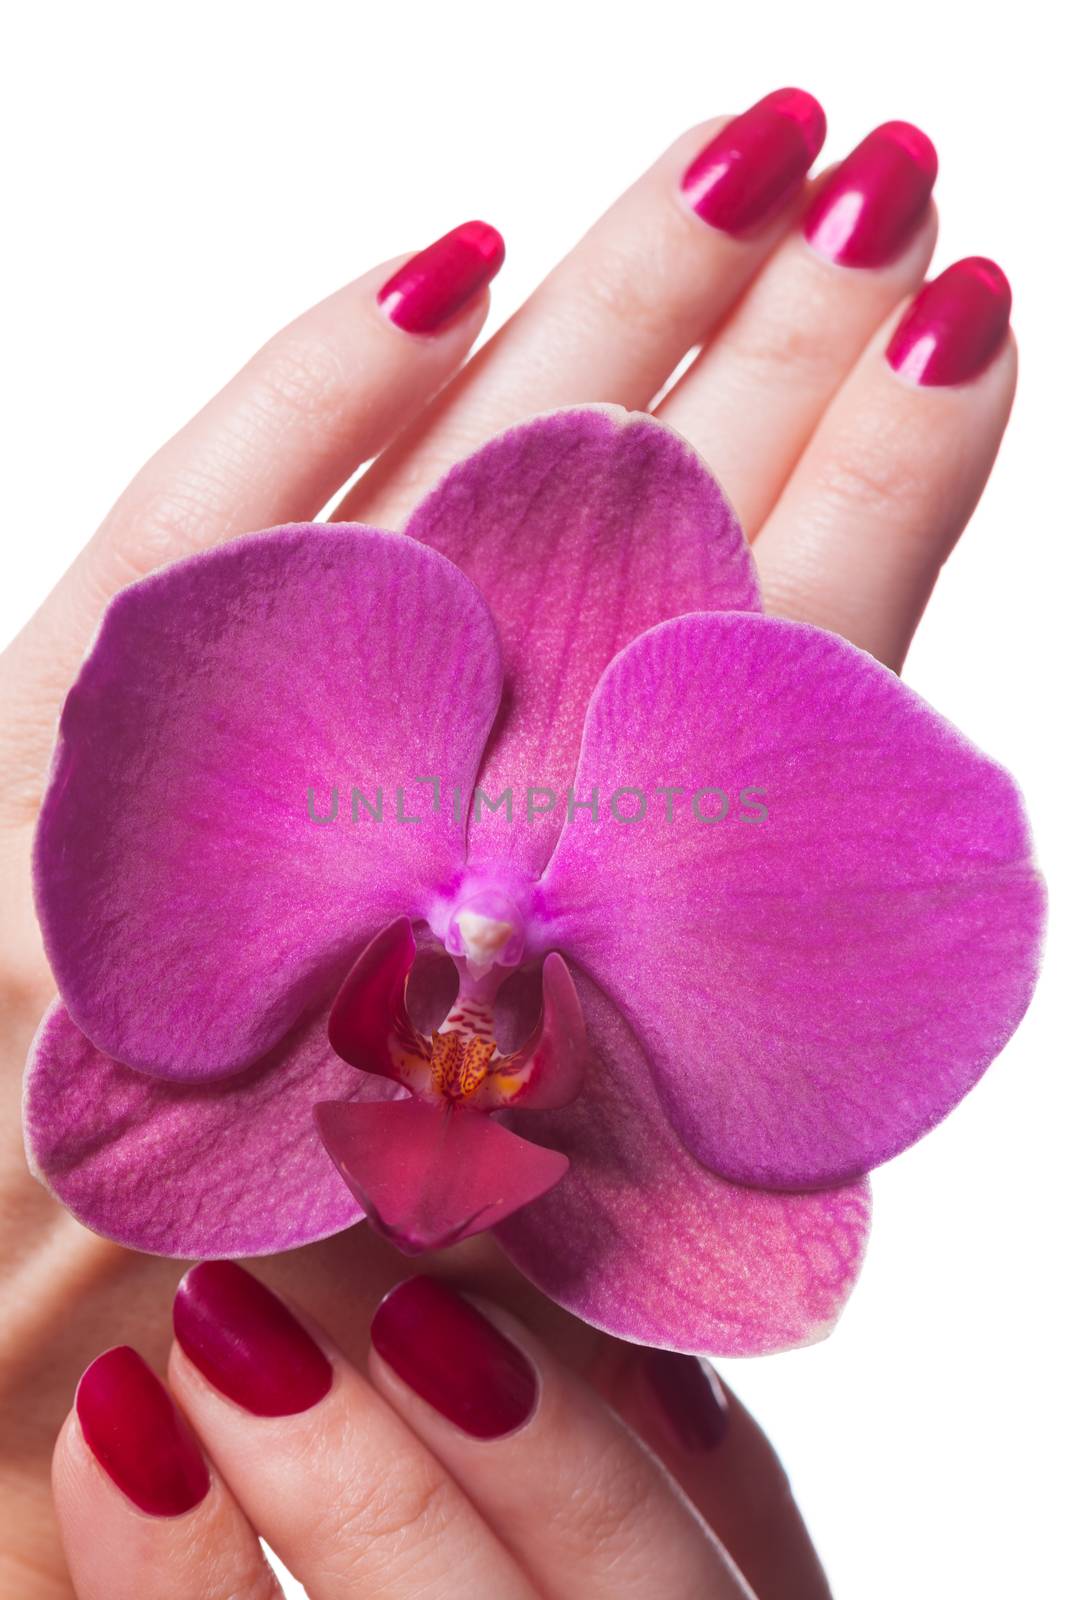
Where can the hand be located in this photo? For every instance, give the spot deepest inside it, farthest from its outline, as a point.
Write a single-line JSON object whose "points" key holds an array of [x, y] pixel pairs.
{"points": [[853, 479], [469, 1460]]}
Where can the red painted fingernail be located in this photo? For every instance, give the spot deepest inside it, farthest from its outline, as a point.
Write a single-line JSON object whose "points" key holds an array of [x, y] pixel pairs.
{"points": [[139, 1436], [436, 284], [247, 1343], [454, 1359], [756, 164], [955, 326], [870, 208], [691, 1398]]}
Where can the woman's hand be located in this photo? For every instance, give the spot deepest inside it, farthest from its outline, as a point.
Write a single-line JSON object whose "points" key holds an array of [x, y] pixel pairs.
{"points": [[853, 434], [468, 1461]]}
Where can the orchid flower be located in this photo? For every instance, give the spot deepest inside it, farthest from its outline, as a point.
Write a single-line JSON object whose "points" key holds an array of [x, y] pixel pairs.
{"points": [[308, 974]]}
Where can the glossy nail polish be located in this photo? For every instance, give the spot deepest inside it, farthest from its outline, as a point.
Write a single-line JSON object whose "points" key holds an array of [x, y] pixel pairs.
{"points": [[434, 286], [756, 164], [247, 1343], [690, 1398], [139, 1436], [870, 208], [955, 325], [454, 1359]]}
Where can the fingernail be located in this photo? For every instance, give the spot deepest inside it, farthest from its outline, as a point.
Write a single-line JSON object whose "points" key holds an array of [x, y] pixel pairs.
{"points": [[247, 1344], [756, 164], [691, 1399], [454, 1359], [139, 1436], [871, 207], [954, 327], [436, 284]]}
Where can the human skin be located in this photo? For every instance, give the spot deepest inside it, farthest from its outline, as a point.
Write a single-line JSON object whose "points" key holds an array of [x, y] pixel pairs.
{"points": [[853, 480]]}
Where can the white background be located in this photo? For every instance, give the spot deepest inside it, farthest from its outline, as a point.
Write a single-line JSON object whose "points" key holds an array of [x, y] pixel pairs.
{"points": [[181, 179]]}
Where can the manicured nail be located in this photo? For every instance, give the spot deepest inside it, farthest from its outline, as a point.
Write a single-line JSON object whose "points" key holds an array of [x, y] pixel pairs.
{"points": [[871, 207], [691, 1399], [139, 1436], [437, 283], [756, 164], [454, 1359], [955, 326], [247, 1343]]}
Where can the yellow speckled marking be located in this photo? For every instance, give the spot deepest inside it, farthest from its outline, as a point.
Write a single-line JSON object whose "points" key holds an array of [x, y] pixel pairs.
{"points": [[459, 1064]]}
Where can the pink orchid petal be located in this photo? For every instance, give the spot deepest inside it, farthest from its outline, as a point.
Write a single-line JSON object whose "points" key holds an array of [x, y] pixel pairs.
{"points": [[369, 1024], [582, 529], [816, 990], [429, 1175], [230, 1168], [641, 1240], [547, 1071], [191, 908]]}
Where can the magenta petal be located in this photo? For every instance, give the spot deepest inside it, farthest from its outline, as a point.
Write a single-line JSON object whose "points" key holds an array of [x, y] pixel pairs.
{"points": [[427, 1175], [192, 908], [369, 1024], [818, 988], [582, 529], [230, 1168], [641, 1240], [546, 1071]]}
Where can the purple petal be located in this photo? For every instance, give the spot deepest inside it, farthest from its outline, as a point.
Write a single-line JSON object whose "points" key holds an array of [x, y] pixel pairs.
{"points": [[642, 1241], [430, 1175], [192, 910], [231, 1168], [547, 1071], [582, 529], [369, 1024], [817, 989]]}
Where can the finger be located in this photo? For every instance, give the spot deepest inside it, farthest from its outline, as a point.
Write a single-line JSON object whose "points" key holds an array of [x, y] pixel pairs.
{"points": [[650, 280], [285, 434], [583, 1506], [326, 1471], [724, 1462], [751, 401], [895, 468], [141, 1514]]}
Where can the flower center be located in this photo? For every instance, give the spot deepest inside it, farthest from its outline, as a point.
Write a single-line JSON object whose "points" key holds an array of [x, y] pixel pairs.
{"points": [[434, 1165], [488, 928]]}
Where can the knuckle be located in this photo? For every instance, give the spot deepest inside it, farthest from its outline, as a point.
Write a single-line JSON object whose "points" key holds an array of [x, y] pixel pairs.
{"points": [[874, 474], [778, 343], [605, 1510], [867, 485], [400, 1516], [149, 529], [634, 300], [297, 384], [299, 378], [226, 1562]]}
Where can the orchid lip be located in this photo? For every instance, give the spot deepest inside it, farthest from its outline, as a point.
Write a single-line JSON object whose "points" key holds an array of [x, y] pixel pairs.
{"points": [[434, 1166], [427, 1175]]}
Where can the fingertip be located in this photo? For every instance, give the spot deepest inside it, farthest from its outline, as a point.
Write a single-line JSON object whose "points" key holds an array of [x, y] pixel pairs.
{"points": [[955, 327], [434, 287], [138, 1436]]}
